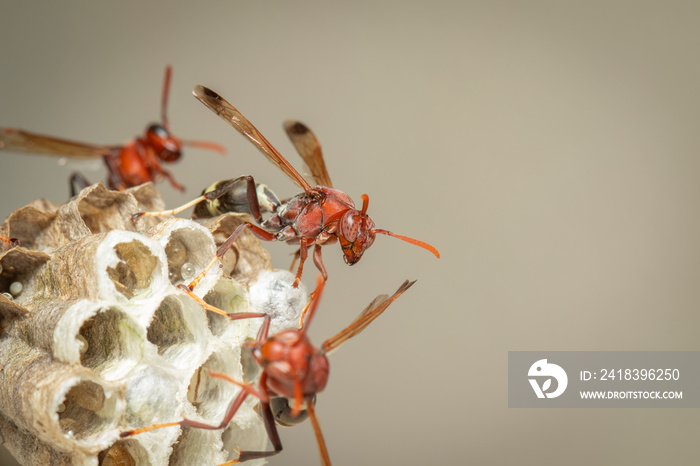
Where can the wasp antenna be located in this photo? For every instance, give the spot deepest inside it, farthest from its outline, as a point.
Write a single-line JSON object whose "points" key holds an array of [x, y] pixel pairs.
{"points": [[164, 100], [205, 145], [410, 240], [365, 204]]}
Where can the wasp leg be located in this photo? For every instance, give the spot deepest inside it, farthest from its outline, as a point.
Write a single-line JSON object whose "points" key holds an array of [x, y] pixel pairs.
{"points": [[268, 419], [77, 183], [294, 260], [209, 307], [169, 176], [303, 254], [324, 275], [114, 179]]}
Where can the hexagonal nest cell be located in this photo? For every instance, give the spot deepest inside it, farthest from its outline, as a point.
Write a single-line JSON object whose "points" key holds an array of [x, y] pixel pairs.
{"points": [[29, 223], [228, 296], [111, 339], [179, 331], [78, 415], [105, 210], [133, 273], [209, 395], [18, 265], [117, 455], [188, 248], [169, 327]]}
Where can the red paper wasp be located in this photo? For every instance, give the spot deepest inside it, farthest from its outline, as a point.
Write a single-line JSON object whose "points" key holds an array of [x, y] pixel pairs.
{"points": [[292, 368], [318, 216], [128, 165]]}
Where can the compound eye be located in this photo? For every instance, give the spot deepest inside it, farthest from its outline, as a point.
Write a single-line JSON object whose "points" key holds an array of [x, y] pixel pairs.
{"points": [[158, 131], [350, 226]]}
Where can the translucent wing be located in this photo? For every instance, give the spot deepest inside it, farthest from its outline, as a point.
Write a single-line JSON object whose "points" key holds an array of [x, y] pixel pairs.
{"points": [[23, 141], [230, 114], [366, 317], [309, 148]]}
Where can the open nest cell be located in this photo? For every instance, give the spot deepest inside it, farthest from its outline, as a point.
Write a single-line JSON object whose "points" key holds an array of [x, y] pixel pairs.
{"points": [[111, 342], [134, 272], [86, 411], [230, 297], [189, 248], [210, 395], [123, 453], [178, 330], [104, 210]]}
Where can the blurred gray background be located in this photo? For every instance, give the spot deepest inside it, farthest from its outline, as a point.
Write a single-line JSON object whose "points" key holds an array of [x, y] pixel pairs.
{"points": [[549, 150]]}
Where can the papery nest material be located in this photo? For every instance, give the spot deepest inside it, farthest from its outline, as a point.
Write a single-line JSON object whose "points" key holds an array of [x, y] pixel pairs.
{"points": [[99, 339]]}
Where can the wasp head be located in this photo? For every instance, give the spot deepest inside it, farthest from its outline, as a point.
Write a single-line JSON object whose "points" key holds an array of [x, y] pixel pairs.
{"points": [[355, 234], [166, 147], [294, 368]]}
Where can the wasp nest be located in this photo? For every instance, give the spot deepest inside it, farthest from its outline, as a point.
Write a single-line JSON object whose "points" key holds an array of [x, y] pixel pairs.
{"points": [[96, 338]]}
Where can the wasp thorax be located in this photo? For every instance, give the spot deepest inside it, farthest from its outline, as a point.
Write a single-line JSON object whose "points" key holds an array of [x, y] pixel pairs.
{"points": [[355, 235], [289, 358], [273, 351]]}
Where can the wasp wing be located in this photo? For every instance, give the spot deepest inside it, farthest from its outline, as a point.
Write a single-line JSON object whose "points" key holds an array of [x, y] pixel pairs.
{"points": [[309, 148], [230, 114], [366, 317], [23, 141]]}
